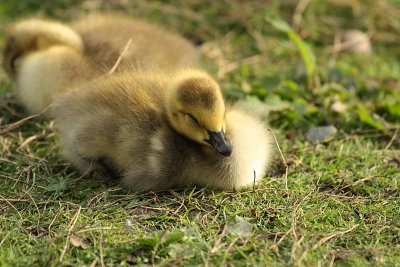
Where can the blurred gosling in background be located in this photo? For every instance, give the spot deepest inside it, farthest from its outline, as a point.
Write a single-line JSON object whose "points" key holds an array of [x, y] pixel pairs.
{"points": [[45, 57]]}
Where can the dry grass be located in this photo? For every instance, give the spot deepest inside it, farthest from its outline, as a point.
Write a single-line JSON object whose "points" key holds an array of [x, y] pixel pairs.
{"points": [[338, 204]]}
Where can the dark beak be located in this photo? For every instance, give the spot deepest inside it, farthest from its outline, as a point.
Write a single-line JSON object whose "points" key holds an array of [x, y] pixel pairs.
{"points": [[217, 140]]}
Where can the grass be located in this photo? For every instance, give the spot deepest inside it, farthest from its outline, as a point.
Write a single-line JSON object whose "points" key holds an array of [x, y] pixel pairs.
{"points": [[341, 204]]}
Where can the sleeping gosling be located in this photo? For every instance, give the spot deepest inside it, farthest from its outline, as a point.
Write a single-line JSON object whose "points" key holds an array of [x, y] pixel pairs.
{"points": [[44, 57], [158, 131]]}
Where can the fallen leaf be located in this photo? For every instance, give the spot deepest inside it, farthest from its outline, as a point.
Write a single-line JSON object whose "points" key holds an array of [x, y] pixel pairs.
{"points": [[321, 134], [240, 227], [181, 250], [261, 109], [253, 105]]}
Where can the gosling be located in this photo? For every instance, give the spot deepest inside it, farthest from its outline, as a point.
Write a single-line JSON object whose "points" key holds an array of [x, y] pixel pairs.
{"points": [[44, 57], [159, 131]]}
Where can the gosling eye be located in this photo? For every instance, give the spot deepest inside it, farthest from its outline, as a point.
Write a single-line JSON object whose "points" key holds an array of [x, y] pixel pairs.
{"points": [[192, 120]]}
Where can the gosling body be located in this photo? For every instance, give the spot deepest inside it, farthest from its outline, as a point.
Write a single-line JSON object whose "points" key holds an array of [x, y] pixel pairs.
{"points": [[45, 57], [132, 125]]}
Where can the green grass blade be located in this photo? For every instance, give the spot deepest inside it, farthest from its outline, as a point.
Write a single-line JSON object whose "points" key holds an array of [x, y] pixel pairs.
{"points": [[304, 49]]}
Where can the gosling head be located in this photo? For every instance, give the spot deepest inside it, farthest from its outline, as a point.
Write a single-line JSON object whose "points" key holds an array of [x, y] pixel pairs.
{"points": [[196, 109]]}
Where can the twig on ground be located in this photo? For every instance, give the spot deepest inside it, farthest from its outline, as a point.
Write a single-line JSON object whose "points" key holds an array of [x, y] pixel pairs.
{"points": [[36, 206], [216, 246], [332, 260], [360, 181], [126, 47], [9, 203], [282, 157], [11, 126], [33, 138], [296, 244], [4, 239], [54, 219], [217, 243], [94, 229], [292, 229], [71, 227], [13, 113], [254, 181], [392, 140], [337, 234], [180, 206], [96, 198], [154, 208], [227, 250], [28, 170], [101, 250]]}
